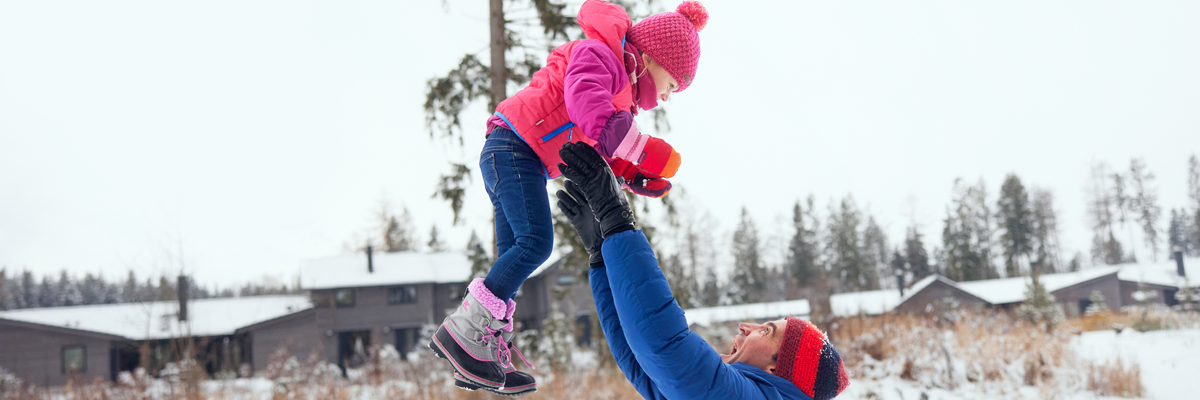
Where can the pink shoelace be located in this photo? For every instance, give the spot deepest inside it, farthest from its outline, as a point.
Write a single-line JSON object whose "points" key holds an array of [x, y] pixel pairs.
{"points": [[505, 354]]}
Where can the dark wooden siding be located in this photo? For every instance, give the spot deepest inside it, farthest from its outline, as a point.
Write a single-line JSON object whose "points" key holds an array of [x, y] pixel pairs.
{"points": [[293, 335], [35, 355], [1127, 288], [1070, 296], [939, 297]]}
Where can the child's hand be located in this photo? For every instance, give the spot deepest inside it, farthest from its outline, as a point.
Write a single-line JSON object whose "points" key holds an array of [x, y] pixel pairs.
{"points": [[640, 181], [659, 158]]}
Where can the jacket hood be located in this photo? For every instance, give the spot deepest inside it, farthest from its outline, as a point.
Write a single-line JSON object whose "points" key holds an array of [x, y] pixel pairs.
{"points": [[768, 382], [604, 21]]}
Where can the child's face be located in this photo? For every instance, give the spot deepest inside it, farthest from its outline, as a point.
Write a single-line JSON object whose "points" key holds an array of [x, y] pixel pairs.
{"points": [[663, 82], [757, 344]]}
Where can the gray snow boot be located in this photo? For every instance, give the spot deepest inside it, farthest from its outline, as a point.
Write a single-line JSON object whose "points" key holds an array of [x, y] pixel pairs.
{"points": [[516, 383], [470, 337]]}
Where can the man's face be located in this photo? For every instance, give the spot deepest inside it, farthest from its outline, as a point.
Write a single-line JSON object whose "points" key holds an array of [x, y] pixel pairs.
{"points": [[757, 345]]}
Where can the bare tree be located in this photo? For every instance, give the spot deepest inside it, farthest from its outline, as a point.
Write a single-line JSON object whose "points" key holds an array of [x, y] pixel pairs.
{"points": [[1105, 247], [1145, 202]]}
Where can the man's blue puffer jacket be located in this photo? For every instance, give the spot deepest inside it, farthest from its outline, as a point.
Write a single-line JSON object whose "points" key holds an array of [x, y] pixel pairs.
{"points": [[649, 336]]}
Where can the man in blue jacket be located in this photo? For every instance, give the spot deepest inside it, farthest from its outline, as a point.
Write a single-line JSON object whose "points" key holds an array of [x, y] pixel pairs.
{"points": [[646, 329]]}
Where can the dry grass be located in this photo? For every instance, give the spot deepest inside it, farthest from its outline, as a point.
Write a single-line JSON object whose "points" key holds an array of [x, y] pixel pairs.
{"points": [[1116, 379], [951, 350]]}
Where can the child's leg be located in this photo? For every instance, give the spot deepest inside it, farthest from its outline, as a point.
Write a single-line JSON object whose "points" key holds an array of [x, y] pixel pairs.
{"points": [[516, 184]]}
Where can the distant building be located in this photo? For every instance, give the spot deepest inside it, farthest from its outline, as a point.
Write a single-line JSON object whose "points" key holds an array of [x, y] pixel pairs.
{"points": [[360, 302], [936, 294], [45, 346]]}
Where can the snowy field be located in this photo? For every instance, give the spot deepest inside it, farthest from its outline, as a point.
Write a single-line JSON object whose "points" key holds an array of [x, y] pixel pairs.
{"points": [[1168, 359]]}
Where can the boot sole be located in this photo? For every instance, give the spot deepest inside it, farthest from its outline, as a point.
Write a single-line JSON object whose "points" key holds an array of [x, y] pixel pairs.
{"points": [[462, 383], [440, 350]]}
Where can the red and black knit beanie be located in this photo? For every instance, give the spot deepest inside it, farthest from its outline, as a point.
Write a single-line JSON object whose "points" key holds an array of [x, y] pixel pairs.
{"points": [[807, 360]]}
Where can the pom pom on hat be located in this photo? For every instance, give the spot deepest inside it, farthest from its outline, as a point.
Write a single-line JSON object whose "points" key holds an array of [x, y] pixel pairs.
{"points": [[695, 12]]}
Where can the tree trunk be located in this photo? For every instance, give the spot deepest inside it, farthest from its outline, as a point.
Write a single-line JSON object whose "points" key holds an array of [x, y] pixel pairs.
{"points": [[499, 72], [499, 78]]}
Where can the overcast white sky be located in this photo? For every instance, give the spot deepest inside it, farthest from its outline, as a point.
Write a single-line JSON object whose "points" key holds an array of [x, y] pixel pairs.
{"points": [[237, 138]]}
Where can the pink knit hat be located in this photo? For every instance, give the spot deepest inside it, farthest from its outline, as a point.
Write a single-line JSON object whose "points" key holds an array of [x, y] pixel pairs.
{"points": [[670, 39]]}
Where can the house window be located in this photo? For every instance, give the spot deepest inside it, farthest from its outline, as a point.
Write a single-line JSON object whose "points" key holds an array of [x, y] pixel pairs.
{"points": [[402, 295], [74, 358], [344, 298], [566, 280]]}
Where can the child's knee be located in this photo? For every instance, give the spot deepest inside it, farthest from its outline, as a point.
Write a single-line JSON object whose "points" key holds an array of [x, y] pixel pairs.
{"points": [[539, 248]]}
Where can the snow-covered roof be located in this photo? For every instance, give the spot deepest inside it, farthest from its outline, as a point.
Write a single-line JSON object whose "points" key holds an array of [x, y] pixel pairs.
{"points": [[875, 302], [844, 304], [1012, 290], [157, 319], [747, 312], [397, 268], [1162, 272]]}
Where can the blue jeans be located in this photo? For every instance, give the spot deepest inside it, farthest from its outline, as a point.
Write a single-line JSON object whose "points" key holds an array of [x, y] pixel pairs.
{"points": [[516, 183]]}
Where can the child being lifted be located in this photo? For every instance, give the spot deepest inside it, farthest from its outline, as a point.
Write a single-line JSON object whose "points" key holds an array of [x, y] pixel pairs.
{"points": [[589, 92]]}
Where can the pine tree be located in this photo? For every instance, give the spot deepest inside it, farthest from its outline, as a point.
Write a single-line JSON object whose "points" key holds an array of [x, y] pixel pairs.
{"points": [[1105, 248], [966, 234], [1076, 263], [1124, 205], [68, 291], [853, 269], [16, 291], [1145, 202], [91, 289], [678, 280], [801, 260], [30, 290], [112, 292], [1039, 306], [1194, 196], [899, 267], [398, 232], [875, 248], [130, 292], [435, 244], [1045, 231], [710, 296], [480, 261], [747, 284], [48, 293], [1178, 235], [915, 256], [6, 291], [1016, 219], [696, 247]]}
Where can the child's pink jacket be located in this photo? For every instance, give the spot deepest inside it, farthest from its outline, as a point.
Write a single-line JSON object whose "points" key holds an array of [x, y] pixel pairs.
{"points": [[584, 84]]}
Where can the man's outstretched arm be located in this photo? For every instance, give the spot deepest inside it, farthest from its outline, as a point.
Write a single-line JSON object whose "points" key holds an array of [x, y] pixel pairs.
{"points": [[616, 336], [679, 361]]}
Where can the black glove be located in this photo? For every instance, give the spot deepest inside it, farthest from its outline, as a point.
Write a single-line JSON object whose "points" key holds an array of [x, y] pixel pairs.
{"points": [[601, 190], [576, 209]]}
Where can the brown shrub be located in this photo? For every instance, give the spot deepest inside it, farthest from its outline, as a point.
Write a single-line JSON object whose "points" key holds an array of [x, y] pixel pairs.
{"points": [[1116, 379]]}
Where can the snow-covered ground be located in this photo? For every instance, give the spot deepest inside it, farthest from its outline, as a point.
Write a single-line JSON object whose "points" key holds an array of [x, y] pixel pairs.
{"points": [[1169, 361]]}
